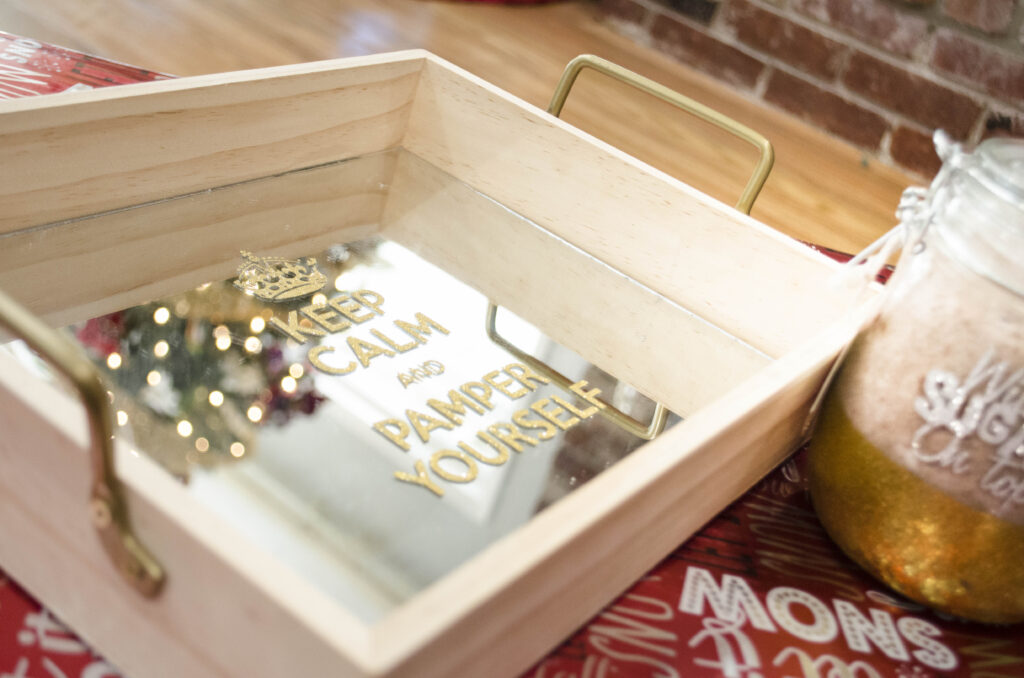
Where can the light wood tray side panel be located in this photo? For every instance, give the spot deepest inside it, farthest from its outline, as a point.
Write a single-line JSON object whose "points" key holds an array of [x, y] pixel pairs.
{"points": [[741, 275], [95, 266], [226, 609], [89, 152], [611, 320]]}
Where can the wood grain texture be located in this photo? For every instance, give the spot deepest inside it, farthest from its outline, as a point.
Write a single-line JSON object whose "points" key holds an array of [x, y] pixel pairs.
{"points": [[223, 596], [821, 190], [765, 289], [64, 272], [150, 141], [666, 352]]}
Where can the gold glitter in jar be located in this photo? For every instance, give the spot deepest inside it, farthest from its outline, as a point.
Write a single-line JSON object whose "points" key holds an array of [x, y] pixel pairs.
{"points": [[916, 538]]}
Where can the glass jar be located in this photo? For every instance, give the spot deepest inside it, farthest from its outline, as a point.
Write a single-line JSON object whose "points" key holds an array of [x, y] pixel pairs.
{"points": [[917, 463]]}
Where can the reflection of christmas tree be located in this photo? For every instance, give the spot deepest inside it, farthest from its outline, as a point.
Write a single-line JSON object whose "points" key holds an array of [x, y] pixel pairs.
{"points": [[203, 370]]}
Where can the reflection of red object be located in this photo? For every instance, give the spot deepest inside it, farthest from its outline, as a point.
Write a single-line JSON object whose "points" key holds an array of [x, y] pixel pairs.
{"points": [[103, 334]]}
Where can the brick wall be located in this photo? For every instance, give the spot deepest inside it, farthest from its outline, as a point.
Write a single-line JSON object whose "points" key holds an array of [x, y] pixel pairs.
{"points": [[882, 74]]}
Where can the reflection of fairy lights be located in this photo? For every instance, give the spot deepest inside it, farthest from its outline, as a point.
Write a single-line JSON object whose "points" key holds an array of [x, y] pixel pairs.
{"points": [[184, 428], [319, 299], [237, 449], [203, 287], [257, 324], [222, 343], [161, 348], [288, 384], [122, 418], [161, 315], [255, 413], [202, 444], [216, 398], [114, 360], [296, 371], [153, 378], [253, 345], [221, 331]]}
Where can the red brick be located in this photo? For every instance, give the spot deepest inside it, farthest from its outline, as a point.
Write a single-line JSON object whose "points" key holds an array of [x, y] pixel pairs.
{"points": [[792, 43], [870, 20], [624, 10], [698, 10], [700, 50], [997, 72], [918, 98], [914, 150], [1003, 124], [825, 109], [991, 16]]}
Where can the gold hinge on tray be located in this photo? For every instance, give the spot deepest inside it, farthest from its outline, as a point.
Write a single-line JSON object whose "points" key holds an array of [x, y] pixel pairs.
{"points": [[754, 184], [109, 511]]}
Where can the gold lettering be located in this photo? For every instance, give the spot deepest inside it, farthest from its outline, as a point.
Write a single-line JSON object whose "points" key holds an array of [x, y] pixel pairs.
{"points": [[401, 348], [363, 297], [455, 409], [471, 467], [509, 434], [582, 414], [295, 328], [526, 375], [394, 430], [421, 478], [367, 350], [484, 395], [552, 415], [495, 443], [326, 317], [314, 357], [520, 417], [493, 461], [492, 379], [424, 423], [421, 328], [590, 396], [346, 305]]}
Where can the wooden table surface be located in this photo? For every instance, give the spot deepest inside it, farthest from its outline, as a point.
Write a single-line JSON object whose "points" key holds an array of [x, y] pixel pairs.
{"points": [[821, 190]]}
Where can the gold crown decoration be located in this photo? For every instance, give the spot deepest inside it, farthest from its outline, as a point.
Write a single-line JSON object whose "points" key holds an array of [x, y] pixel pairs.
{"points": [[277, 278]]}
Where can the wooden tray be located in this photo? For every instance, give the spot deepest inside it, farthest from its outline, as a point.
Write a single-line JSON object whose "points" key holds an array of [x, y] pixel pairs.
{"points": [[111, 198]]}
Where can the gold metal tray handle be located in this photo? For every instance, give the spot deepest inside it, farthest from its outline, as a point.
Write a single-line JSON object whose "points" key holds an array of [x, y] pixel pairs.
{"points": [[766, 156], [109, 511], [766, 159]]}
